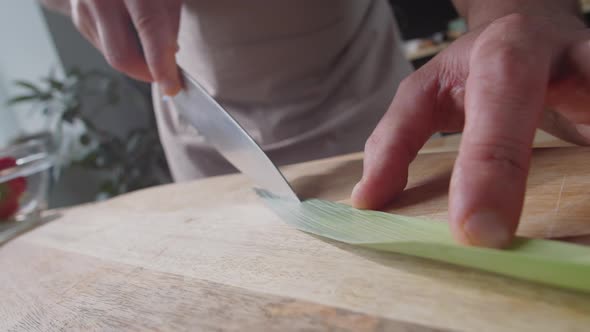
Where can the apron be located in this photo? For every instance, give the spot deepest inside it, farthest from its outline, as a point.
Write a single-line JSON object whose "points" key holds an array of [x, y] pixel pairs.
{"points": [[307, 79]]}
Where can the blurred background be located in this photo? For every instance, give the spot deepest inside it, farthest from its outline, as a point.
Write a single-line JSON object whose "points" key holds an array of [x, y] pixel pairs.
{"points": [[52, 80]]}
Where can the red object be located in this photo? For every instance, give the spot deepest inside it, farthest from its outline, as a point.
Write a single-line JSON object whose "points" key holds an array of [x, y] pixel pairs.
{"points": [[11, 191], [7, 162], [8, 209]]}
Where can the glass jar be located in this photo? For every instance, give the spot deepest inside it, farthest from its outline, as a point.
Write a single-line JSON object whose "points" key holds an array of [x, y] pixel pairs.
{"points": [[24, 180]]}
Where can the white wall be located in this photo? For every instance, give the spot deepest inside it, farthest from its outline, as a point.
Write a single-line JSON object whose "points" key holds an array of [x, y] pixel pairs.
{"points": [[8, 127], [27, 52]]}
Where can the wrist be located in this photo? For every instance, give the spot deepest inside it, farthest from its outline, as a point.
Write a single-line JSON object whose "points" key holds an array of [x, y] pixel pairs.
{"points": [[481, 13]]}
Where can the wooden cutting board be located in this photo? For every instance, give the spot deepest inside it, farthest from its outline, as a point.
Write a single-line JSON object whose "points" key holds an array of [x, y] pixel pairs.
{"points": [[208, 255]]}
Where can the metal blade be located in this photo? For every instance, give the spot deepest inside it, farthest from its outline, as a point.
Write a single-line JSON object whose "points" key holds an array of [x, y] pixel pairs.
{"points": [[225, 134]]}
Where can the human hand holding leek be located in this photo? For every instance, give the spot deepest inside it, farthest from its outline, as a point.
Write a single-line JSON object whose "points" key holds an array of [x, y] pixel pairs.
{"points": [[493, 83]]}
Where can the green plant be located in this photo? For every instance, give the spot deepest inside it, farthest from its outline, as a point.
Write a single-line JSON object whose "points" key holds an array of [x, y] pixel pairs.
{"points": [[70, 105]]}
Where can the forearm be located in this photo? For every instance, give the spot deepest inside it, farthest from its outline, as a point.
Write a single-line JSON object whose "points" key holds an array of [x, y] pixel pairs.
{"points": [[481, 12], [61, 6]]}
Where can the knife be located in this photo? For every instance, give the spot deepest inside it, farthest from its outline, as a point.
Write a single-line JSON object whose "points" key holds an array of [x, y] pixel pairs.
{"points": [[226, 135]]}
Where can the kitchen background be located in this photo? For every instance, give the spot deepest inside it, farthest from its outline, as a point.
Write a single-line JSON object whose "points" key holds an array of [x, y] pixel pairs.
{"points": [[36, 42]]}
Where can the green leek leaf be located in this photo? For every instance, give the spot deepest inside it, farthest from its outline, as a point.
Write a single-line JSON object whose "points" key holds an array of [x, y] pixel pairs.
{"points": [[544, 261]]}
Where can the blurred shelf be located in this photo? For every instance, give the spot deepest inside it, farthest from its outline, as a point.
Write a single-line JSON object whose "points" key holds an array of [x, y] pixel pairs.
{"points": [[430, 51], [427, 51]]}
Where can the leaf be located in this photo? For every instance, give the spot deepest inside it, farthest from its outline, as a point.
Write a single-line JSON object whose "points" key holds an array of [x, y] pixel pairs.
{"points": [[108, 187], [70, 114], [543, 261], [89, 161], [132, 142], [45, 96], [54, 83], [28, 86], [21, 99], [85, 139]]}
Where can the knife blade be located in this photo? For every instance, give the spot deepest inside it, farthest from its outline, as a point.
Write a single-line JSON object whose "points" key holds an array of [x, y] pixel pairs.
{"points": [[226, 135]]}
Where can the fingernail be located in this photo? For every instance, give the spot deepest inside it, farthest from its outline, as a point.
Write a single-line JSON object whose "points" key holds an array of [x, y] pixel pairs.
{"points": [[355, 196], [355, 189], [487, 229]]}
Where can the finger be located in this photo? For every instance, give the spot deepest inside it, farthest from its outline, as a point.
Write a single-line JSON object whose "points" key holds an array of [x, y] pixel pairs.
{"points": [[118, 42], [579, 54], [504, 99], [396, 140], [61, 6], [157, 23], [571, 97], [570, 93], [559, 126], [85, 22]]}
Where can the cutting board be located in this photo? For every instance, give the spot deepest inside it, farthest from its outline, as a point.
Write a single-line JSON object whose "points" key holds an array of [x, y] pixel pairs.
{"points": [[208, 255]]}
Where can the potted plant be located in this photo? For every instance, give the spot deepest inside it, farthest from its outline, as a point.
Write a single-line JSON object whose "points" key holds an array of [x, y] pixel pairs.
{"points": [[70, 106]]}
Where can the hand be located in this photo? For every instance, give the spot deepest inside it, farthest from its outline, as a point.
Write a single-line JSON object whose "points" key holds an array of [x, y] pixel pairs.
{"points": [[493, 84], [137, 37]]}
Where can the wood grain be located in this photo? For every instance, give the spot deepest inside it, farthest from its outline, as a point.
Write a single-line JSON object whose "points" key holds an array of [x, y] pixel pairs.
{"points": [[208, 255], [96, 295]]}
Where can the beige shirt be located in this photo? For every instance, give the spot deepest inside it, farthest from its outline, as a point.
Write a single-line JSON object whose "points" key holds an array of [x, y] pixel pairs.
{"points": [[307, 79]]}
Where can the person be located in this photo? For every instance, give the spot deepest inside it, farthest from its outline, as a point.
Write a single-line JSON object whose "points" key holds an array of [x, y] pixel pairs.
{"points": [[311, 78]]}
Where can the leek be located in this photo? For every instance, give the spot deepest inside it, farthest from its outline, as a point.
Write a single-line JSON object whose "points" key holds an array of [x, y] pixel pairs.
{"points": [[544, 261]]}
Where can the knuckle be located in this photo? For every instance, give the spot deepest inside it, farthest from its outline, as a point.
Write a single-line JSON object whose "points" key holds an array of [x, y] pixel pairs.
{"points": [[373, 142], [507, 56], [174, 4], [148, 22], [426, 80], [157, 60], [121, 60], [505, 38], [407, 84], [503, 155], [501, 59], [495, 42], [381, 145], [512, 22], [504, 52]]}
